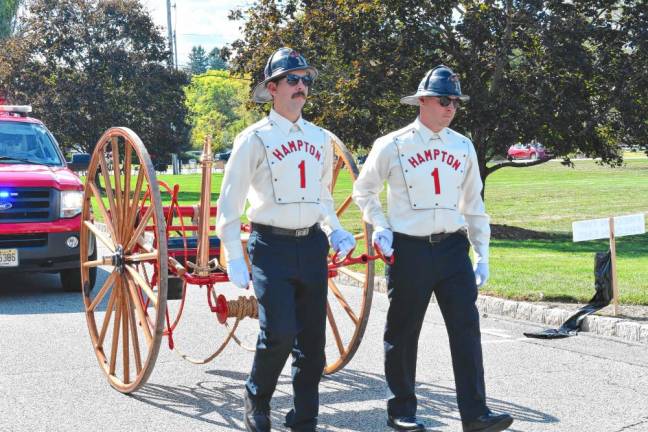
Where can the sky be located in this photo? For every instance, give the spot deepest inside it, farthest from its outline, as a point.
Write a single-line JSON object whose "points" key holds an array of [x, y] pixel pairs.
{"points": [[198, 22]]}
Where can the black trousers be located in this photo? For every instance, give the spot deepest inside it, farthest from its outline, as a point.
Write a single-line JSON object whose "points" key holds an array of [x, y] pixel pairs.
{"points": [[420, 269], [290, 279]]}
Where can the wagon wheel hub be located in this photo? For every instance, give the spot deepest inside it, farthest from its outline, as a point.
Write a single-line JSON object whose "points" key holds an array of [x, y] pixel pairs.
{"points": [[118, 259]]}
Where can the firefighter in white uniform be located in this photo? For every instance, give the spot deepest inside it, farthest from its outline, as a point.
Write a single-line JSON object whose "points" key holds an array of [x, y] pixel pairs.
{"points": [[283, 166], [435, 211]]}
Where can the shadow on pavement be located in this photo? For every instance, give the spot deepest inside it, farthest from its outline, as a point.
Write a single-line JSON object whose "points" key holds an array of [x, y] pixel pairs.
{"points": [[350, 400], [218, 402]]}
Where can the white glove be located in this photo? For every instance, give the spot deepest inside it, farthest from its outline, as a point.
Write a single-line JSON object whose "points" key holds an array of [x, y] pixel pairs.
{"points": [[481, 274], [342, 242], [383, 238], [237, 271]]}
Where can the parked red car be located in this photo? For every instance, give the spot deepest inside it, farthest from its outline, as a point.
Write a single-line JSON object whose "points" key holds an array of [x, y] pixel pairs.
{"points": [[530, 151]]}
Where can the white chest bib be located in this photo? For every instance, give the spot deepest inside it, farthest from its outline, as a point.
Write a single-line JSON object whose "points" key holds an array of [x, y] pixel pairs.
{"points": [[433, 171], [295, 162]]}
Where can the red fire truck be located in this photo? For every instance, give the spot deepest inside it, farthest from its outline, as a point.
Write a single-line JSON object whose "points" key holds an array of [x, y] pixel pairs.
{"points": [[40, 201]]}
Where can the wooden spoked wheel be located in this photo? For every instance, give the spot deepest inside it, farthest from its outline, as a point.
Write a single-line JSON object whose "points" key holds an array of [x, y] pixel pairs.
{"points": [[122, 210], [349, 297]]}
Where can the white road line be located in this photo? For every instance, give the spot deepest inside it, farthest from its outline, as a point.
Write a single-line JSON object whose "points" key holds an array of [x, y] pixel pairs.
{"points": [[496, 332], [502, 341]]}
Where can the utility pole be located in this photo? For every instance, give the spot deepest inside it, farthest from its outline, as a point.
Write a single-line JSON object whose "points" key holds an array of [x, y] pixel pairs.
{"points": [[170, 31], [175, 35]]}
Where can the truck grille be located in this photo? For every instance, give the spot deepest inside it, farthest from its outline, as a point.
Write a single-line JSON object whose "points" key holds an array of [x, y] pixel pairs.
{"points": [[29, 205], [22, 240]]}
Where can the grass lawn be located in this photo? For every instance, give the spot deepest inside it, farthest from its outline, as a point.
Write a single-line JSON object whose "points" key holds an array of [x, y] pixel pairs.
{"points": [[541, 201], [547, 198], [190, 187]]}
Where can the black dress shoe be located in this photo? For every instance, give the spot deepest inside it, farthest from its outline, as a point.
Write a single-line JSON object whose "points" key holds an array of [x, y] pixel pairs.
{"points": [[406, 423], [256, 420], [489, 422]]}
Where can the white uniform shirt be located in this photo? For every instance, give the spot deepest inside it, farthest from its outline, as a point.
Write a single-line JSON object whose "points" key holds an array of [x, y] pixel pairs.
{"points": [[248, 175], [449, 162]]}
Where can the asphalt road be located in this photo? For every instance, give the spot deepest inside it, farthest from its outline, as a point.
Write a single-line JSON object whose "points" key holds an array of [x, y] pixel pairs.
{"points": [[50, 380]]}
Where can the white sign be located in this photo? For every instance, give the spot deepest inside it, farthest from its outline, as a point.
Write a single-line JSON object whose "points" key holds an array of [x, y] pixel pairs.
{"points": [[600, 228]]}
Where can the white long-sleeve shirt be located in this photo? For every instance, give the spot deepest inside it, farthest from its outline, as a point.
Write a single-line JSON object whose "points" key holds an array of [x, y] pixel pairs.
{"points": [[433, 185], [284, 170]]}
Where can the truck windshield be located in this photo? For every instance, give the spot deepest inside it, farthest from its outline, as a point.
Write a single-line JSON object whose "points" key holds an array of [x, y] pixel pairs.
{"points": [[27, 142]]}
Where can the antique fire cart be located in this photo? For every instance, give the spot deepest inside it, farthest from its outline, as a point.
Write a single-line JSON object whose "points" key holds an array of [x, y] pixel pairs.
{"points": [[157, 253]]}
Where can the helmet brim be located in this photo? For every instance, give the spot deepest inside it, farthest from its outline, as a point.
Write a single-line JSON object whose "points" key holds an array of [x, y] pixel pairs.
{"points": [[414, 99], [260, 94]]}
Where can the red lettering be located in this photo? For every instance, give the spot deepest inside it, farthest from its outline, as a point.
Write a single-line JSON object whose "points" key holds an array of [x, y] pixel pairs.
{"points": [[456, 165], [420, 158], [277, 154], [292, 146], [428, 155], [444, 153], [437, 182], [436, 153], [300, 144], [450, 159], [413, 162], [285, 149], [302, 174], [318, 155]]}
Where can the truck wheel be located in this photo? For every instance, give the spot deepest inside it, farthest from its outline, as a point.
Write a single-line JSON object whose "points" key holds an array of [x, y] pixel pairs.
{"points": [[71, 279]]}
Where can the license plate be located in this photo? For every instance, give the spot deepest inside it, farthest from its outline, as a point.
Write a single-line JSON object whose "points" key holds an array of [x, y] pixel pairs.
{"points": [[8, 257]]}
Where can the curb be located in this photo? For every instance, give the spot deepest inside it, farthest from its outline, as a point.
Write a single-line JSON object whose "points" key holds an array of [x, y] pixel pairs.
{"points": [[625, 329]]}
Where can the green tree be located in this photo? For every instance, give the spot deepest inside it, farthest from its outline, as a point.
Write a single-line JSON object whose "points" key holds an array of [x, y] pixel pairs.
{"points": [[8, 11], [534, 70], [215, 60], [198, 61], [88, 65], [631, 75], [217, 107]]}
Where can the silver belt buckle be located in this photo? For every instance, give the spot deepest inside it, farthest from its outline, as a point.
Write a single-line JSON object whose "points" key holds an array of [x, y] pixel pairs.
{"points": [[301, 232], [435, 238]]}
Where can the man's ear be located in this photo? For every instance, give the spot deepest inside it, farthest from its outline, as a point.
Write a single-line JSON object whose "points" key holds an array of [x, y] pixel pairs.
{"points": [[272, 87]]}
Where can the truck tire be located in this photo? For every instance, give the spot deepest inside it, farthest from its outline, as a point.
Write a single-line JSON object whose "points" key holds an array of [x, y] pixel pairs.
{"points": [[71, 279]]}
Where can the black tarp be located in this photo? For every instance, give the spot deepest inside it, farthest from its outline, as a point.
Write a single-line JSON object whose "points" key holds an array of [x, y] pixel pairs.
{"points": [[602, 298]]}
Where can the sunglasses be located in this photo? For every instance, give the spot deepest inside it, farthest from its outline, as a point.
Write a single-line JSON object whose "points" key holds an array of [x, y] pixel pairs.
{"points": [[293, 80], [445, 101]]}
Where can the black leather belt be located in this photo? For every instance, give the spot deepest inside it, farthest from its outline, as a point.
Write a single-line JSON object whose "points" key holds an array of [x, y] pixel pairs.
{"points": [[432, 238], [300, 232]]}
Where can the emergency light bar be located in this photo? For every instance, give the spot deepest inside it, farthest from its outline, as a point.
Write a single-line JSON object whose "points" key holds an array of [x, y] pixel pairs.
{"points": [[20, 109]]}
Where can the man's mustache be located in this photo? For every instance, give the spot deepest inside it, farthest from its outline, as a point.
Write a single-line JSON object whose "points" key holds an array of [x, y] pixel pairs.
{"points": [[299, 93]]}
